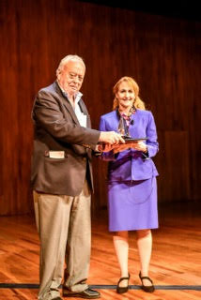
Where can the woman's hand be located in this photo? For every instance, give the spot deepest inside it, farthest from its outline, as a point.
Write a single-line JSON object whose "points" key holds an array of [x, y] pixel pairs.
{"points": [[139, 145]]}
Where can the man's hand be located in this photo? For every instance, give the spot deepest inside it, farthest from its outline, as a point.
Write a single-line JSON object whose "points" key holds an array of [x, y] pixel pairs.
{"points": [[111, 137]]}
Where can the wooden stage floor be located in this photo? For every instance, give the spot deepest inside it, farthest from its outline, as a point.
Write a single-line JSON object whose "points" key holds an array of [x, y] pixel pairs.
{"points": [[175, 265]]}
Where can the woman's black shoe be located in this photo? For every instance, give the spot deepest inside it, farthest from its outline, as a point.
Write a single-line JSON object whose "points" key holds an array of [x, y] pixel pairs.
{"points": [[148, 289], [123, 289]]}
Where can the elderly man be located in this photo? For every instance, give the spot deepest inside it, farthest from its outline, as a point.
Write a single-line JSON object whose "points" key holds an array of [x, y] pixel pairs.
{"points": [[62, 181]]}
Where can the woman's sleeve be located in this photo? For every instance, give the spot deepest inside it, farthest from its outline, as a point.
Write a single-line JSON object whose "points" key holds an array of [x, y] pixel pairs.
{"points": [[152, 143]]}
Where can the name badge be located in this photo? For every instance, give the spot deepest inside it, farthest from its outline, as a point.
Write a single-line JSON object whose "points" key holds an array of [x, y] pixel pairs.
{"points": [[57, 154]]}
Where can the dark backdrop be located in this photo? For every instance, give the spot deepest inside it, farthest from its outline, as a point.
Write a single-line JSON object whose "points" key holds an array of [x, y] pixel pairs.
{"points": [[162, 53]]}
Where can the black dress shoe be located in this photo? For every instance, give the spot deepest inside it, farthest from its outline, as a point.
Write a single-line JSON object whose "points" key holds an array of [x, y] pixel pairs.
{"points": [[123, 289], [148, 289], [86, 294]]}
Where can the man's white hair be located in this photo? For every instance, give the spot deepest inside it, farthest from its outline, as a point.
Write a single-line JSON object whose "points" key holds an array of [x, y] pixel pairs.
{"points": [[66, 60]]}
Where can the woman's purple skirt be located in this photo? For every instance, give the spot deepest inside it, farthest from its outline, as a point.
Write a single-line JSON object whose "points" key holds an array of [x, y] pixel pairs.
{"points": [[133, 205]]}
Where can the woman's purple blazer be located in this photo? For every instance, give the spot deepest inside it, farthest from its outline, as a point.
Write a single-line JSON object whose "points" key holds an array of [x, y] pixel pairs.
{"points": [[131, 164]]}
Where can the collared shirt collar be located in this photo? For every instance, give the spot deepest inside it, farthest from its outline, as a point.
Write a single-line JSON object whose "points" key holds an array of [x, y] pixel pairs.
{"points": [[78, 95]]}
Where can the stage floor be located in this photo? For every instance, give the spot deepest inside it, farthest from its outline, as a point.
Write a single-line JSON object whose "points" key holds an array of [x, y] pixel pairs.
{"points": [[175, 266]]}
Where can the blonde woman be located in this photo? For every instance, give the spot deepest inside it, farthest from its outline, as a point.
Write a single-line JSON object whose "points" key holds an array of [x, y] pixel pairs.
{"points": [[132, 187]]}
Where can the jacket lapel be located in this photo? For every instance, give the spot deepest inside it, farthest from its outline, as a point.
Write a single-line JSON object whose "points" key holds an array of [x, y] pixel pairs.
{"points": [[70, 109], [66, 104]]}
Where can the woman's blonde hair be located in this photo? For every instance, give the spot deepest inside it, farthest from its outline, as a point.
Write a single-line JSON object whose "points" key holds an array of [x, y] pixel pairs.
{"points": [[138, 103]]}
